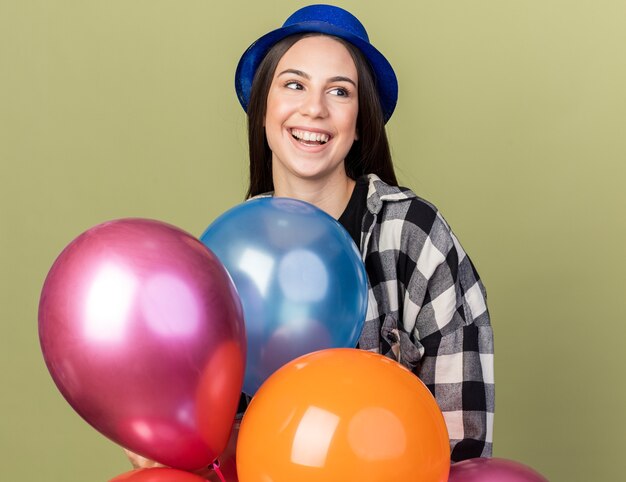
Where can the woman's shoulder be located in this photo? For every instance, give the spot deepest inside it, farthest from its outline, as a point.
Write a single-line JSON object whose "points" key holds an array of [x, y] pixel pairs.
{"points": [[401, 204], [410, 224]]}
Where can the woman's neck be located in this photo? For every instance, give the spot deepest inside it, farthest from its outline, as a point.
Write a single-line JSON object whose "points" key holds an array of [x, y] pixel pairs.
{"points": [[330, 195]]}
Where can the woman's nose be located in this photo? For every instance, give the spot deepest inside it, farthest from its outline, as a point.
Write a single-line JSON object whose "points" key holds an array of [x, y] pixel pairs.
{"points": [[314, 105]]}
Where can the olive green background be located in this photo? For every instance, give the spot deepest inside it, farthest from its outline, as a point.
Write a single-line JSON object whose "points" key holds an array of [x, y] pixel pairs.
{"points": [[511, 118]]}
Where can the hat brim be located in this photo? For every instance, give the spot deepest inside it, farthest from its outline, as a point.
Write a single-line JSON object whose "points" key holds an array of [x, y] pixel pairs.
{"points": [[385, 78]]}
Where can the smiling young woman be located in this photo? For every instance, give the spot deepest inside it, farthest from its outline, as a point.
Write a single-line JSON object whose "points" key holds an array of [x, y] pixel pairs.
{"points": [[318, 95]]}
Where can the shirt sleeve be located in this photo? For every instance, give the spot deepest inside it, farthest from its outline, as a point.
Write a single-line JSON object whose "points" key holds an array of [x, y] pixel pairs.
{"points": [[445, 314]]}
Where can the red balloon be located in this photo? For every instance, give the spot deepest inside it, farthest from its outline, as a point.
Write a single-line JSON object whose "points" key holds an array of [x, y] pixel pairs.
{"points": [[158, 474], [493, 470], [142, 331]]}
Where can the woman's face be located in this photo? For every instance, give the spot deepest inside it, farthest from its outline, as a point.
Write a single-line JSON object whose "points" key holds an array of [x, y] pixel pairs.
{"points": [[312, 108]]}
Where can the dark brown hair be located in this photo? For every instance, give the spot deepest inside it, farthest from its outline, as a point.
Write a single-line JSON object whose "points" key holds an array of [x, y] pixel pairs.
{"points": [[369, 154]]}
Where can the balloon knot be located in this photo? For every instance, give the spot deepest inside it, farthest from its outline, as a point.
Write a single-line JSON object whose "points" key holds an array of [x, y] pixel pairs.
{"points": [[216, 468]]}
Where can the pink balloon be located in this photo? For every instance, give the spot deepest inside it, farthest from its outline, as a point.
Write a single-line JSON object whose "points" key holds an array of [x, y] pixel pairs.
{"points": [[142, 331], [493, 470]]}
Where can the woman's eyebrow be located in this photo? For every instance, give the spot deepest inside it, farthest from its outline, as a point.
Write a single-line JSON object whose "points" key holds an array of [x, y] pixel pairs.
{"points": [[295, 72], [341, 78], [300, 73]]}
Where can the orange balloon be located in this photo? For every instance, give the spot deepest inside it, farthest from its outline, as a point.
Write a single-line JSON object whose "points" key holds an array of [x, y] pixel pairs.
{"points": [[340, 415]]}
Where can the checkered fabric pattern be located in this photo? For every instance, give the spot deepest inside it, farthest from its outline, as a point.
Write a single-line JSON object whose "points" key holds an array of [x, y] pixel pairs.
{"points": [[427, 310]]}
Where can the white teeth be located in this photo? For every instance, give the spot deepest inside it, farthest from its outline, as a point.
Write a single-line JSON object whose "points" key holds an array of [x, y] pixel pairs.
{"points": [[310, 136]]}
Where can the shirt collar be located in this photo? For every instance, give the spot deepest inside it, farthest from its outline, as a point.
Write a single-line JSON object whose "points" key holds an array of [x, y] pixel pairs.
{"points": [[380, 192]]}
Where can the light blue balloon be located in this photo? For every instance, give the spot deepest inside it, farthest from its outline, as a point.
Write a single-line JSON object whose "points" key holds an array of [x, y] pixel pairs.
{"points": [[300, 278]]}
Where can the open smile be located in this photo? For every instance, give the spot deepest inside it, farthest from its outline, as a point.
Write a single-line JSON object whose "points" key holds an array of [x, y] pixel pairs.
{"points": [[309, 138]]}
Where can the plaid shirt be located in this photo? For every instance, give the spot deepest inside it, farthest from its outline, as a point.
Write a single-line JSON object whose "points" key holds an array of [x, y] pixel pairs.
{"points": [[427, 310]]}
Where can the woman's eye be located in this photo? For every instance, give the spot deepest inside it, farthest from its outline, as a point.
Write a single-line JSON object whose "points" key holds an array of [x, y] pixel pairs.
{"points": [[294, 85], [340, 91]]}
